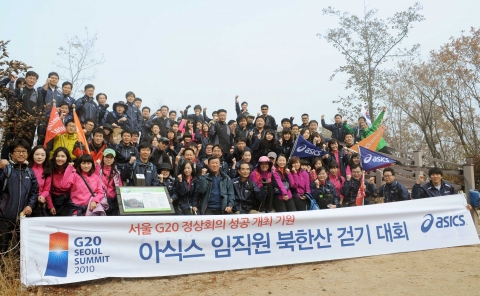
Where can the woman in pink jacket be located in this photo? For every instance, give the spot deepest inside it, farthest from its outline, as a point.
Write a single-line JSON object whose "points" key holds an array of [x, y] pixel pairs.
{"points": [[283, 201], [335, 177], [77, 179], [264, 175], [59, 201], [110, 176], [301, 184], [38, 162]]}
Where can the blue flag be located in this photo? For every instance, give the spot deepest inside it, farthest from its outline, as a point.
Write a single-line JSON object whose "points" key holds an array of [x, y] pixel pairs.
{"points": [[304, 149], [372, 160]]}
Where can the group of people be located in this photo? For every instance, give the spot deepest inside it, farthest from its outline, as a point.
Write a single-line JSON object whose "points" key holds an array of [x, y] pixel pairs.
{"points": [[209, 165]]}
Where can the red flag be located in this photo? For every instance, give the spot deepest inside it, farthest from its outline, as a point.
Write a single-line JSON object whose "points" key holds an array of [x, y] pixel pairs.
{"points": [[80, 134], [55, 126], [361, 192]]}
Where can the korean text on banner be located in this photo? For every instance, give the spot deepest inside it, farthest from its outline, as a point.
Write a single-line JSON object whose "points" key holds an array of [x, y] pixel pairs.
{"points": [[61, 250]]}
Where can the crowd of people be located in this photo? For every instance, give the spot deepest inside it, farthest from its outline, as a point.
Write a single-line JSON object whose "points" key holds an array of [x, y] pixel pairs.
{"points": [[209, 165]]}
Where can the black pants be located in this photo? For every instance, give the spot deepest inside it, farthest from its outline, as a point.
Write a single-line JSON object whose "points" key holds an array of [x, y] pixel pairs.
{"points": [[113, 209], [183, 211], [267, 205], [7, 231], [209, 211], [300, 204], [283, 206]]}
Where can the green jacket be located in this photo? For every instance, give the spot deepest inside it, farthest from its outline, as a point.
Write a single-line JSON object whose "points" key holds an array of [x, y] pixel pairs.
{"points": [[370, 130], [204, 187]]}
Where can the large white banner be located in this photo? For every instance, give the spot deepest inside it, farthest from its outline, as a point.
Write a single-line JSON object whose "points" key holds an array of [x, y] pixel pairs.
{"points": [[73, 249]]}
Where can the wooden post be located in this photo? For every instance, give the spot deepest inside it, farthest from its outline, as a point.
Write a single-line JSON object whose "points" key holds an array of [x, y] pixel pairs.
{"points": [[418, 161], [468, 175], [378, 178]]}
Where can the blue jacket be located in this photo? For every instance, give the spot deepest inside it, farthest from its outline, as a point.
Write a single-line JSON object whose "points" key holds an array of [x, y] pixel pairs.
{"points": [[135, 115], [138, 167], [247, 195], [428, 190], [185, 195], [87, 108], [338, 130], [204, 187], [123, 154], [21, 190], [48, 96], [393, 192]]}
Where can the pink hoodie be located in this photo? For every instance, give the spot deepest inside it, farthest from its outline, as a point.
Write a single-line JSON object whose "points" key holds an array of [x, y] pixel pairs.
{"points": [[108, 184], [43, 184], [78, 189], [301, 182], [337, 182]]}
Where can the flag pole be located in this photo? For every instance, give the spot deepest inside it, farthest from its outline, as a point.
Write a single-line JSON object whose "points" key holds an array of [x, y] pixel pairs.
{"points": [[294, 146], [363, 173]]}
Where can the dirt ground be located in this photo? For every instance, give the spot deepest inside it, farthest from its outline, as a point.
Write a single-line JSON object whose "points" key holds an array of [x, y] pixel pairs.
{"points": [[452, 271]]}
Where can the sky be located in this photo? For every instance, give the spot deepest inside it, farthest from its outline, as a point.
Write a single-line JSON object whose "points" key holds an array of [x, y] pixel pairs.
{"points": [[184, 52]]}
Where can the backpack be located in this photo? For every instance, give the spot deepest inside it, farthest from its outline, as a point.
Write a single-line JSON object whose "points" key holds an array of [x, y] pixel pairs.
{"points": [[474, 198], [313, 203], [8, 173]]}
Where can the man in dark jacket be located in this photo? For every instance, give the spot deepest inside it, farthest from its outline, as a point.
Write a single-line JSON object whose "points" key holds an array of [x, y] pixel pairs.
{"points": [[244, 110], [337, 129], [136, 122], [163, 121], [436, 186], [248, 197], [216, 195], [141, 167], [160, 156], [269, 120], [25, 115], [352, 185], [86, 107], [19, 191], [125, 150], [196, 116], [392, 190], [220, 132]]}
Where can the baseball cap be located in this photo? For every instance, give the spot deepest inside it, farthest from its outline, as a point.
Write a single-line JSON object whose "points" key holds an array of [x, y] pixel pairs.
{"points": [[109, 151], [272, 155]]}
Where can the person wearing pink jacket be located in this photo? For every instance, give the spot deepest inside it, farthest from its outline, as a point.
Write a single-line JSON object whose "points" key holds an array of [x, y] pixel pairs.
{"points": [[284, 202], [38, 162], [111, 178], [77, 179], [301, 184], [263, 175]]}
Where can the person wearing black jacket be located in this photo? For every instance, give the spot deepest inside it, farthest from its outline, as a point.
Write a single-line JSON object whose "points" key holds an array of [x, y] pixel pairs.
{"points": [[285, 143], [125, 150], [86, 107], [241, 130], [352, 185], [186, 189], [269, 120], [159, 155], [248, 196], [163, 121], [392, 190], [244, 110], [220, 132], [338, 129], [141, 167], [436, 186], [19, 192]]}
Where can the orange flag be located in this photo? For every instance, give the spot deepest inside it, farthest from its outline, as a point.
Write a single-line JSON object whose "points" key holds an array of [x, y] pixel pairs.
{"points": [[55, 126], [371, 142], [361, 192], [80, 134]]}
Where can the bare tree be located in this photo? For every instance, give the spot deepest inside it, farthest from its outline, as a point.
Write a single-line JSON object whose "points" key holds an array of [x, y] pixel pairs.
{"points": [[367, 43], [78, 60]]}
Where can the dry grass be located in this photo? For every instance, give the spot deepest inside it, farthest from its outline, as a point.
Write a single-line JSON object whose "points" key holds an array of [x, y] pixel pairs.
{"points": [[10, 272]]}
